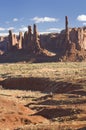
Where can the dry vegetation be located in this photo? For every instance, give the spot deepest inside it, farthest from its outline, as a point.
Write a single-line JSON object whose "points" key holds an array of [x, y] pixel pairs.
{"points": [[45, 96], [52, 70]]}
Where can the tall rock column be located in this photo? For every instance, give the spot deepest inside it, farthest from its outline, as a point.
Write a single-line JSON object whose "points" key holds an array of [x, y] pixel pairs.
{"points": [[66, 28], [36, 39], [25, 40], [20, 40], [29, 39], [66, 39], [10, 40], [80, 38], [29, 34]]}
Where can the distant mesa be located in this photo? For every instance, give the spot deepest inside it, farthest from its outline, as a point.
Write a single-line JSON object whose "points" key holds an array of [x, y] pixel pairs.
{"points": [[68, 45]]}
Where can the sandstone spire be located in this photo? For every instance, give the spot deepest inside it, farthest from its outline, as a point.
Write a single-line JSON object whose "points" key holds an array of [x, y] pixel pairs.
{"points": [[66, 28], [20, 40], [10, 38], [29, 34], [25, 40], [36, 39], [35, 32]]}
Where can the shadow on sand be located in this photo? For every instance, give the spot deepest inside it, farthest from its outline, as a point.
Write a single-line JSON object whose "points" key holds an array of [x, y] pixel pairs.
{"points": [[44, 85]]}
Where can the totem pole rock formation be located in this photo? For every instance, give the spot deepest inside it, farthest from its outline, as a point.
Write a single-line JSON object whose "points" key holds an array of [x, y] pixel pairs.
{"points": [[29, 34], [69, 43], [70, 48], [80, 38], [36, 41], [31, 42], [10, 39], [66, 28], [25, 44], [66, 41], [20, 40], [30, 39]]}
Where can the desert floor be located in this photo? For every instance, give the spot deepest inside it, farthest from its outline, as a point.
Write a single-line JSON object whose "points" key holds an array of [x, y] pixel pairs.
{"points": [[44, 96]]}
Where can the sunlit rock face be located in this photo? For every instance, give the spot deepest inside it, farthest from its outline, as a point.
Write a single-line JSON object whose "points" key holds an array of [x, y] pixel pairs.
{"points": [[70, 42]]}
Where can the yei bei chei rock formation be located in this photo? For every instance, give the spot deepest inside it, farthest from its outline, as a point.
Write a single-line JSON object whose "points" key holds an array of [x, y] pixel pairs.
{"points": [[68, 45]]}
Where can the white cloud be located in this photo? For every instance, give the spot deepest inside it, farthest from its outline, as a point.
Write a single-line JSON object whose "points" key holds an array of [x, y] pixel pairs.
{"points": [[10, 28], [44, 32], [3, 34], [2, 29], [23, 29], [6, 29], [44, 19], [81, 17], [84, 24], [54, 29], [15, 20]]}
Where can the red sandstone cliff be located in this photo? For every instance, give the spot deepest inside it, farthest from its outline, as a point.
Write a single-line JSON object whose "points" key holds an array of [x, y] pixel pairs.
{"points": [[69, 44]]}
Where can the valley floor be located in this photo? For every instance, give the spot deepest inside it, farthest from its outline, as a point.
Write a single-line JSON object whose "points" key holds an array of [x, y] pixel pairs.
{"points": [[46, 96]]}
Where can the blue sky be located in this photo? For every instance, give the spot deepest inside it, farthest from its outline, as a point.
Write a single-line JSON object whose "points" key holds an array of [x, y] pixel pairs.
{"points": [[49, 15]]}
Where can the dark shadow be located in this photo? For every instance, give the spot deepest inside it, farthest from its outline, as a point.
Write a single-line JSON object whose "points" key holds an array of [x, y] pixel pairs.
{"points": [[83, 128], [51, 102], [44, 85], [61, 102], [79, 92], [51, 113], [24, 56]]}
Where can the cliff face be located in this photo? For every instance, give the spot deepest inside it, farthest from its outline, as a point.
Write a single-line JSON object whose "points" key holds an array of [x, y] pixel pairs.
{"points": [[49, 41], [69, 44]]}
